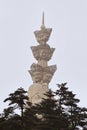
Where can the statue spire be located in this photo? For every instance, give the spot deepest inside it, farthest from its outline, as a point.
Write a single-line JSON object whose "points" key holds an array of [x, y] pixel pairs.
{"points": [[43, 26], [43, 19]]}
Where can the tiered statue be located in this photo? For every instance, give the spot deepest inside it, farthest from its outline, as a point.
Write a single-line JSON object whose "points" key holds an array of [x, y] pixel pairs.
{"points": [[40, 72]]}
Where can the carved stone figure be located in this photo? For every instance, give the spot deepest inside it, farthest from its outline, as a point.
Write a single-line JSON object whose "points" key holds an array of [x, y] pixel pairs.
{"points": [[48, 73], [42, 52], [36, 73], [43, 35], [35, 51], [40, 72], [36, 92]]}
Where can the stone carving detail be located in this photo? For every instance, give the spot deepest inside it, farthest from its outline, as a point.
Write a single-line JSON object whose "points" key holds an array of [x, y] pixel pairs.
{"points": [[43, 35], [42, 52], [36, 92], [35, 51], [41, 74], [48, 73], [36, 73]]}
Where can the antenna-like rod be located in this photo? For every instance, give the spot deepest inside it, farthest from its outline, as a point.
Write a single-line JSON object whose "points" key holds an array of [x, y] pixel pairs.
{"points": [[43, 26]]}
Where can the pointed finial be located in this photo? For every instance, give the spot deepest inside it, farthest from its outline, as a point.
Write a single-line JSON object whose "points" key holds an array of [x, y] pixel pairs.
{"points": [[43, 26], [43, 19]]}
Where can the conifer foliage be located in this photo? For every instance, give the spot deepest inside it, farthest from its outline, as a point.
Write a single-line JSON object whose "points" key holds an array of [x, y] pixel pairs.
{"points": [[76, 115], [53, 118], [59, 111]]}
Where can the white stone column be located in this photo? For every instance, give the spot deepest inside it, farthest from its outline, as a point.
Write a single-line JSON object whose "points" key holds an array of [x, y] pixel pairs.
{"points": [[40, 72]]}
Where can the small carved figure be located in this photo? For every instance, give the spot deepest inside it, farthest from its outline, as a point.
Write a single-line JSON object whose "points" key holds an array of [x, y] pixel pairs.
{"points": [[42, 52], [43, 35], [36, 92], [36, 73]]}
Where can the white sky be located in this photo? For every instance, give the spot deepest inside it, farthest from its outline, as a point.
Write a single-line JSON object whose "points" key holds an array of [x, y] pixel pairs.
{"points": [[19, 19]]}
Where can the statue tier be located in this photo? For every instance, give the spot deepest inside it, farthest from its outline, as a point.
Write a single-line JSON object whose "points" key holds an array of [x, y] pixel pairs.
{"points": [[41, 74], [42, 36], [42, 52]]}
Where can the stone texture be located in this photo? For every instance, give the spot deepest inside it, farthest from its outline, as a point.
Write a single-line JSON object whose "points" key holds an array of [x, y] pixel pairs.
{"points": [[36, 73], [42, 36], [36, 92], [42, 52], [48, 73], [40, 72]]}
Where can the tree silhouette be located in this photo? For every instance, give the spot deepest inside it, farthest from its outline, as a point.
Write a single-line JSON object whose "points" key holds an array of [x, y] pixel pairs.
{"points": [[18, 99], [53, 117], [58, 111], [77, 116]]}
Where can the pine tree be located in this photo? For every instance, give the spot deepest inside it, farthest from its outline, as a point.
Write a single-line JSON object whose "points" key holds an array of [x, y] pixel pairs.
{"points": [[30, 119], [53, 117], [77, 116], [18, 100], [10, 120], [59, 111]]}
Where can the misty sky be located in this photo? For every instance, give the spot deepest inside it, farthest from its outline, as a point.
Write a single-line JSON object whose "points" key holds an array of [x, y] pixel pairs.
{"points": [[19, 19]]}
